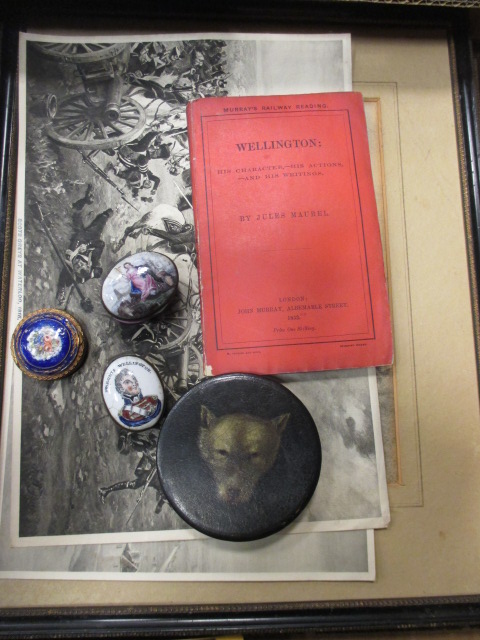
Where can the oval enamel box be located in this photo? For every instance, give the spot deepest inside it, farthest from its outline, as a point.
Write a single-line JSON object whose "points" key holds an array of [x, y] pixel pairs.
{"points": [[48, 344], [239, 457], [139, 286], [133, 393]]}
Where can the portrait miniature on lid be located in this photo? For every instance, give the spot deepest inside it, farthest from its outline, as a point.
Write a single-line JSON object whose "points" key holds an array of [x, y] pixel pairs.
{"points": [[133, 393], [140, 286], [238, 457]]}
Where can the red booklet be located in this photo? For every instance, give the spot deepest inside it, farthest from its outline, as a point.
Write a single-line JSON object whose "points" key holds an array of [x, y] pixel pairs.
{"points": [[290, 258]]}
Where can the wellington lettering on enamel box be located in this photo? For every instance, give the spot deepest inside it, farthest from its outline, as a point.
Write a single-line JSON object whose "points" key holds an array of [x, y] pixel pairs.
{"points": [[289, 249]]}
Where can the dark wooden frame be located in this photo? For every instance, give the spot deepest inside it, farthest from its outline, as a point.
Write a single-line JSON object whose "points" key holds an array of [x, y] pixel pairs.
{"points": [[430, 614], [438, 613]]}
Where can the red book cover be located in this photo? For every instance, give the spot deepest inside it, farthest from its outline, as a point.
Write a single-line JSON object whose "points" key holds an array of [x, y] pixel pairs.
{"points": [[290, 258]]}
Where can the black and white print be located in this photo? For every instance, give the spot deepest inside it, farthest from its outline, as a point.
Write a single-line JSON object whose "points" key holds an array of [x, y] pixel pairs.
{"points": [[105, 174]]}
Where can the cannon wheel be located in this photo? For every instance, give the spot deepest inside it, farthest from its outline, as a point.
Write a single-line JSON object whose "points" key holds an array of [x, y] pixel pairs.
{"points": [[167, 366], [168, 333], [80, 52], [79, 124], [175, 324]]}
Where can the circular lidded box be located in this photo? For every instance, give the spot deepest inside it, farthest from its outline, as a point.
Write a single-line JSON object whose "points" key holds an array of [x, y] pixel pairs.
{"points": [[48, 344], [133, 393], [239, 457], [139, 286]]}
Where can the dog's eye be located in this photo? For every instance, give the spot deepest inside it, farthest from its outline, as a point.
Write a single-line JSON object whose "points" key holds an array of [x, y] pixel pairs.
{"points": [[222, 452], [253, 454]]}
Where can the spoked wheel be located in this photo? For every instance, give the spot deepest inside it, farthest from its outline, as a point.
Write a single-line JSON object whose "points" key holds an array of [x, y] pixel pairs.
{"points": [[179, 369], [82, 125], [175, 324], [80, 52]]}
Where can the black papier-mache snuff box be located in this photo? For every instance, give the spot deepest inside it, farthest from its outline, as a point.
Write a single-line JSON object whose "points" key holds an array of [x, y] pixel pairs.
{"points": [[239, 457]]}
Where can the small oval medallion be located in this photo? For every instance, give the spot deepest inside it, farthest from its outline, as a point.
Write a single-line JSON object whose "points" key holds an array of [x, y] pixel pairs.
{"points": [[133, 393], [48, 344], [140, 286]]}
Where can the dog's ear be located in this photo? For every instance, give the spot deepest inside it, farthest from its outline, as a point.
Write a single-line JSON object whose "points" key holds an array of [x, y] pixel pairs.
{"points": [[207, 417], [280, 422]]}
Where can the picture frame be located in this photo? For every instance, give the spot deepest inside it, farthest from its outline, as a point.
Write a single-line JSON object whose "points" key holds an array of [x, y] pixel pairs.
{"points": [[74, 609]]}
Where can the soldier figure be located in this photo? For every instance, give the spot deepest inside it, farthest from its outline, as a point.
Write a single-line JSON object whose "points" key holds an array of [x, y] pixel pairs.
{"points": [[145, 471], [83, 255]]}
